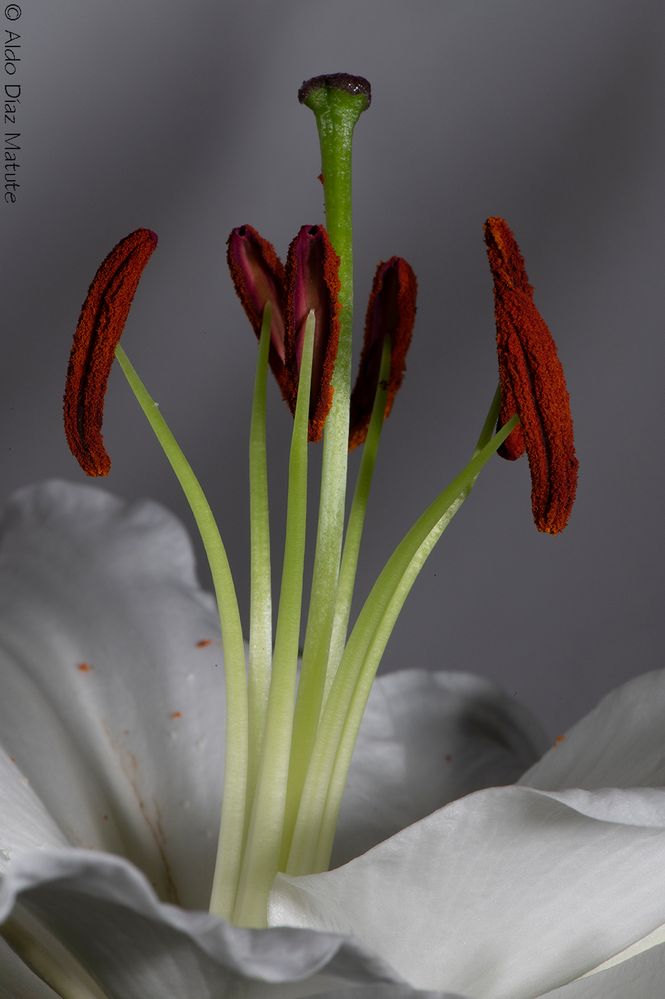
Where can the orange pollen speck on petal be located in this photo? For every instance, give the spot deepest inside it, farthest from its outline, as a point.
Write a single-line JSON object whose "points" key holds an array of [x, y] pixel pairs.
{"points": [[533, 384], [175, 714], [559, 739], [102, 320], [203, 643], [84, 668]]}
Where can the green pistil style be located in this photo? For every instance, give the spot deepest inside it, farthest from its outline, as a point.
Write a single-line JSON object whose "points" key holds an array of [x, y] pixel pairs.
{"points": [[337, 102]]}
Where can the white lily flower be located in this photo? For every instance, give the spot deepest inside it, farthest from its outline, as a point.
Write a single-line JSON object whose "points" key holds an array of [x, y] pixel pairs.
{"points": [[111, 760], [118, 720]]}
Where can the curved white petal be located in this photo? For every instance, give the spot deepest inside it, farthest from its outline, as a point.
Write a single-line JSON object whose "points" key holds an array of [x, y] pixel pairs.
{"points": [[109, 708], [641, 977], [427, 739], [619, 744], [105, 913], [505, 894]]}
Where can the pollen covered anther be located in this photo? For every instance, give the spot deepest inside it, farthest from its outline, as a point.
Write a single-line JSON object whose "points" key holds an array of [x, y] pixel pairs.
{"points": [[100, 326], [312, 280], [309, 281], [258, 277], [391, 311], [532, 383]]}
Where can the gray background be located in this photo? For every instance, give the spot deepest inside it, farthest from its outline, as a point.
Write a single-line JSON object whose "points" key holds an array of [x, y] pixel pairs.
{"points": [[183, 117]]}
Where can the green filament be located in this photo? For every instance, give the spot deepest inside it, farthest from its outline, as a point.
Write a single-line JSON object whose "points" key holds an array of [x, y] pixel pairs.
{"points": [[235, 777], [356, 523], [264, 837], [260, 612]]}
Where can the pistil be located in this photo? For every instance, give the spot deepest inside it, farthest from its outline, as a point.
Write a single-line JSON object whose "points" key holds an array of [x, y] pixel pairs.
{"points": [[337, 101]]}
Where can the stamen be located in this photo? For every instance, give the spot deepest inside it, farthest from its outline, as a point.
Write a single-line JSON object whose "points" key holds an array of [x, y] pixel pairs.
{"points": [[258, 277], [391, 312], [312, 277], [532, 383], [102, 320]]}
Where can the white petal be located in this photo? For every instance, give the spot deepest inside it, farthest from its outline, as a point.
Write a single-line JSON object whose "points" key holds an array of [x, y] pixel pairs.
{"points": [[127, 755], [24, 822], [427, 739], [645, 943], [105, 913], [619, 744], [504, 895], [642, 977]]}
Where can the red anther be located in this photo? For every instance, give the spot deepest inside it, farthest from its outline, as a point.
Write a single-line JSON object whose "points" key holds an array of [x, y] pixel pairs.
{"points": [[532, 383], [100, 326], [391, 311]]}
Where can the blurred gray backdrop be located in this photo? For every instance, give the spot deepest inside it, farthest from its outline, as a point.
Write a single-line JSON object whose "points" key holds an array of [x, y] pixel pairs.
{"points": [[183, 117]]}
